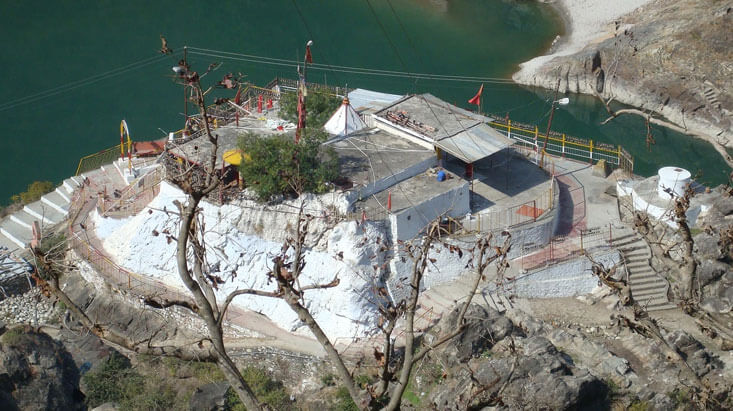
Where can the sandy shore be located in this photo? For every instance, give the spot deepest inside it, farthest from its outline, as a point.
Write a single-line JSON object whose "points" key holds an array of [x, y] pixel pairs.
{"points": [[586, 22]]}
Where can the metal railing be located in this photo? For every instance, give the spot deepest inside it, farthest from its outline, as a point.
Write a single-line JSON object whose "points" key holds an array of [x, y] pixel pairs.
{"points": [[562, 145], [513, 216], [98, 159], [565, 248], [135, 197]]}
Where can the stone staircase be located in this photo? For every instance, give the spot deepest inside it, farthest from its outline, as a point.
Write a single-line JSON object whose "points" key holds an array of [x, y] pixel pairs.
{"points": [[647, 287], [51, 209]]}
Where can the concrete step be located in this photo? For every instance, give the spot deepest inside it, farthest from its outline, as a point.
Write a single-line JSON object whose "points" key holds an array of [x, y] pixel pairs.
{"points": [[642, 272], [633, 248], [636, 275], [43, 212], [62, 192], [637, 264], [70, 185], [637, 258], [661, 306], [646, 292], [646, 284], [24, 219], [15, 232], [56, 201], [652, 301]]}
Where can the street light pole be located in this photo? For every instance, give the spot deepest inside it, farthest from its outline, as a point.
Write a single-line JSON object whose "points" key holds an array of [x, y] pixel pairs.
{"points": [[562, 101]]}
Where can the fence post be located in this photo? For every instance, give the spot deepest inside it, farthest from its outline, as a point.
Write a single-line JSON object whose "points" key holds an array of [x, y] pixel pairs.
{"points": [[591, 151], [563, 145], [552, 244], [536, 134], [509, 129], [581, 240], [618, 156]]}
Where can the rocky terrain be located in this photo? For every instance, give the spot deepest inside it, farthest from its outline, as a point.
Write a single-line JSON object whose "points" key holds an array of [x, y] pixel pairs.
{"points": [[37, 373], [670, 57]]}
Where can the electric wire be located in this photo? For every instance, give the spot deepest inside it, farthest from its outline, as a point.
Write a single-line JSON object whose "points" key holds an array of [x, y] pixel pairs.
{"points": [[81, 83], [345, 69]]}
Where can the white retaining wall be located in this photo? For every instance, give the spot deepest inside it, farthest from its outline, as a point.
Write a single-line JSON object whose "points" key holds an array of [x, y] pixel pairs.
{"points": [[407, 223]]}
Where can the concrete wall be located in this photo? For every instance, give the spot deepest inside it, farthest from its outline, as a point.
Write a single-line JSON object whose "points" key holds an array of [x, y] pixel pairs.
{"points": [[568, 279], [626, 188], [407, 223], [387, 182]]}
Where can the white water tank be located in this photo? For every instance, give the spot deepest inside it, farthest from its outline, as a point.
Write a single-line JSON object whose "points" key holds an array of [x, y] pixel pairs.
{"points": [[672, 178]]}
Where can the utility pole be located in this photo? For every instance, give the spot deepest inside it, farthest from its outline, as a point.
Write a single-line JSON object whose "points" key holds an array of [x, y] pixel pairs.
{"points": [[549, 124]]}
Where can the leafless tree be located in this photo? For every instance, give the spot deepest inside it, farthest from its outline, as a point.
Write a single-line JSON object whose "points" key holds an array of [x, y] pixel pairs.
{"points": [[635, 317], [676, 255], [394, 373]]}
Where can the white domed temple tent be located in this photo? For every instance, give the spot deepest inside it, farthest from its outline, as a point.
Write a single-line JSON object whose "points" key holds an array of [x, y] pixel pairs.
{"points": [[344, 121]]}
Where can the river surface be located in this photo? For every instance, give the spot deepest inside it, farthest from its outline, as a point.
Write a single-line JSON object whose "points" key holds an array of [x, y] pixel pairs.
{"points": [[71, 70]]}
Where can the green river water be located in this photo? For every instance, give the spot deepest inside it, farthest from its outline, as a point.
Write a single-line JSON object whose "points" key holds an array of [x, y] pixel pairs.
{"points": [[71, 70]]}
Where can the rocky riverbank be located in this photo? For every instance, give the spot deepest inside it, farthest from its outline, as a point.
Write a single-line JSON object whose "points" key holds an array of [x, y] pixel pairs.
{"points": [[672, 58]]}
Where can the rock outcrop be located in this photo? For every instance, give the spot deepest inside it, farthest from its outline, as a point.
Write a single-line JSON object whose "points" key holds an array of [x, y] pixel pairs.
{"points": [[670, 57], [495, 362], [37, 373]]}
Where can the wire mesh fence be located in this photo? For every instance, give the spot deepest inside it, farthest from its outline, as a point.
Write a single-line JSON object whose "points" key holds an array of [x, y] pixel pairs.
{"points": [[512, 216], [98, 159], [565, 248], [135, 197]]}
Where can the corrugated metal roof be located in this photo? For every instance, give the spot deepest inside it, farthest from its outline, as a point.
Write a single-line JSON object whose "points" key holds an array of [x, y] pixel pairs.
{"points": [[475, 143], [362, 99]]}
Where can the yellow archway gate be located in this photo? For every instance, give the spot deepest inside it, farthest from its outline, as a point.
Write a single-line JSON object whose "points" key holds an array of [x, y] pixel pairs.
{"points": [[125, 131]]}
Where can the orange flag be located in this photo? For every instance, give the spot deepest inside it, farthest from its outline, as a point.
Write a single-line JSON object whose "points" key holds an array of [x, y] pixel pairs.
{"points": [[477, 98]]}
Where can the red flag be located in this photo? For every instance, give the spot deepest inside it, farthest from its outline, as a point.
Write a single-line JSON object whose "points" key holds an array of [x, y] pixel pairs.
{"points": [[308, 55], [477, 98]]}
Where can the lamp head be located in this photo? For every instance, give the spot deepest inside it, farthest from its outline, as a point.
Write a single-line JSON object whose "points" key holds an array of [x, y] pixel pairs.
{"points": [[309, 43], [563, 101]]}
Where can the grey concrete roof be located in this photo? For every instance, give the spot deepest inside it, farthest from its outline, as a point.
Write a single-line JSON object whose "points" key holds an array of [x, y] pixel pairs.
{"points": [[415, 190], [372, 155], [457, 131]]}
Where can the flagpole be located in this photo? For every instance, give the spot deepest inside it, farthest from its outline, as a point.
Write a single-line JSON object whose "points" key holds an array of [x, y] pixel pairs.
{"points": [[302, 92]]}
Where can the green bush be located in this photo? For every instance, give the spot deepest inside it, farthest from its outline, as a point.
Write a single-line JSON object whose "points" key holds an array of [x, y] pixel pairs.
{"points": [[279, 166], [343, 400], [319, 107], [329, 380], [113, 381], [13, 336], [266, 390], [116, 381], [35, 190]]}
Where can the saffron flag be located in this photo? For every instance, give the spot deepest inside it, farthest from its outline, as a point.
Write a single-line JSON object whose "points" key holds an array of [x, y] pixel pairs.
{"points": [[477, 98], [308, 55]]}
